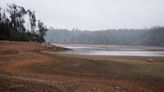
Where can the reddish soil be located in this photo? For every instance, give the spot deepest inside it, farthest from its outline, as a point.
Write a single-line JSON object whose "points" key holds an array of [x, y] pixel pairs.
{"points": [[24, 68]]}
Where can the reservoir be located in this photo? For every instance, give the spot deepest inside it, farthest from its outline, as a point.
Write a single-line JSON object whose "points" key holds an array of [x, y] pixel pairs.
{"points": [[111, 50]]}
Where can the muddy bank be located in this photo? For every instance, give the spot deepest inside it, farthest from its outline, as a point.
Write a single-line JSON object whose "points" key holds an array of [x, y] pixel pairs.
{"points": [[25, 68]]}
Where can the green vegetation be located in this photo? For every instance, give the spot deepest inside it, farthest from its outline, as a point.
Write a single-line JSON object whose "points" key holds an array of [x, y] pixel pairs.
{"points": [[13, 21], [148, 37]]}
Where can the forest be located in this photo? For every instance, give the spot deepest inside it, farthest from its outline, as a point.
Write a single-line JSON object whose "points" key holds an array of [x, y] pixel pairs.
{"points": [[20, 24], [153, 36]]}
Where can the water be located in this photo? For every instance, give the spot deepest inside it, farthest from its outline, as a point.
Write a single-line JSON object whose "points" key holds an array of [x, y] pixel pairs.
{"points": [[93, 50]]}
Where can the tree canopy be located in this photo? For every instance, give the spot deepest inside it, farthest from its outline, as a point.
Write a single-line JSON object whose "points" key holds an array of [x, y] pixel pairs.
{"points": [[149, 36], [14, 21]]}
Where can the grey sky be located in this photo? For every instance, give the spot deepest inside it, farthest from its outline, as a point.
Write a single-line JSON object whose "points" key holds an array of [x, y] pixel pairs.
{"points": [[96, 14]]}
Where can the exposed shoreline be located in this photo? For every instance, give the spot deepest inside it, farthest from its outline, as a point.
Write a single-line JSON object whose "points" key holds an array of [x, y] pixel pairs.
{"points": [[23, 66]]}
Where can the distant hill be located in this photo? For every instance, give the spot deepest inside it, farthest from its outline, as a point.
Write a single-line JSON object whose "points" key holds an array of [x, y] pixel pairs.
{"points": [[148, 37]]}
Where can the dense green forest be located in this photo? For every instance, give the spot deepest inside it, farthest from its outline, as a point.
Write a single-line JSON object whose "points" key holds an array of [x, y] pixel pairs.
{"points": [[13, 25], [149, 37]]}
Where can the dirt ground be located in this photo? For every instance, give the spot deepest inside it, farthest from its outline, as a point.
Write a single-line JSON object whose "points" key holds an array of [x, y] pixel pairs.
{"points": [[25, 68]]}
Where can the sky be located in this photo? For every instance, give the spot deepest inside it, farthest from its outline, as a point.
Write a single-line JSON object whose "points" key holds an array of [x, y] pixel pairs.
{"points": [[96, 14]]}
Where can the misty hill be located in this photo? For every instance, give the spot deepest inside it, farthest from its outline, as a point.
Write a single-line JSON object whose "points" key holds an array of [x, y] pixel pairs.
{"points": [[152, 36]]}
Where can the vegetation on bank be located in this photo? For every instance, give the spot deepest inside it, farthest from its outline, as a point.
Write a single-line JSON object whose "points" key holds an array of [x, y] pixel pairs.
{"points": [[20, 24], [148, 37]]}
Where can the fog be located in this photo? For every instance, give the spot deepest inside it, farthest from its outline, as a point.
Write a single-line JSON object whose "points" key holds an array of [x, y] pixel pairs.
{"points": [[96, 14]]}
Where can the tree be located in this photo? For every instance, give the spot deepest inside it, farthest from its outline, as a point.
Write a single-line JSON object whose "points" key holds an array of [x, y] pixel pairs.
{"points": [[0, 15], [32, 19], [12, 25], [17, 17], [42, 30]]}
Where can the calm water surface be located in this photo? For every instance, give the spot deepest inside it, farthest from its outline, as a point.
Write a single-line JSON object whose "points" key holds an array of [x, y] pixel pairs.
{"points": [[90, 50]]}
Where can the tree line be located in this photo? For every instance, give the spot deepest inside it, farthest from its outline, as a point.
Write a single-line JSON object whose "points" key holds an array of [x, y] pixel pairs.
{"points": [[148, 37], [20, 24]]}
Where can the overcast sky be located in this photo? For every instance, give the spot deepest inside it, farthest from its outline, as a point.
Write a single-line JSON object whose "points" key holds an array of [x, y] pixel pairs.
{"points": [[96, 14]]}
